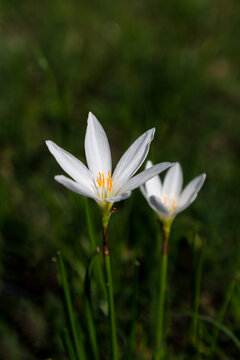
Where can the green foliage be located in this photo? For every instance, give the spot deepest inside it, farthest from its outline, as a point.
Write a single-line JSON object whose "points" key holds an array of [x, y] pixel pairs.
{"points": [[173, 65]]}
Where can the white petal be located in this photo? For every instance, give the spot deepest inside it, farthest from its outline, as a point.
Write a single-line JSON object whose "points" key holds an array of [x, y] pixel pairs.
{"points": [[132, 159], [157, 205], [74, 186], [173, 180], [69, 163], [153, 186], [187, 204], [143, 191], [97, 148], [144, 176], [119, 197], [190, 192]]}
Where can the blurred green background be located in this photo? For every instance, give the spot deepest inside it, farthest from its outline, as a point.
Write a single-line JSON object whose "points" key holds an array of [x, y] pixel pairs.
{"points": [[136, 65]]}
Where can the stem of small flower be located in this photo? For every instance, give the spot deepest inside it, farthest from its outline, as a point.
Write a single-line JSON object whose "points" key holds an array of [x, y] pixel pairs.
{"points": [[162, 291], [109, 286]]}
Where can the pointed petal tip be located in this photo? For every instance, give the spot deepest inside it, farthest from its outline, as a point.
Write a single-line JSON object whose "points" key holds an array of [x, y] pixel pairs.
{"points": [[51, 145], [148, 164], [152, 131], [58, 177], [177, 167], [177, 164], [91, 117], [203, 178], [48, 142]]}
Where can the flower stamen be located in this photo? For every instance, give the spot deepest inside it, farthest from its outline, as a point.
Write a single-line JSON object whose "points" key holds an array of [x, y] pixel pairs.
{"points": [[109, 182], [101, 181]]}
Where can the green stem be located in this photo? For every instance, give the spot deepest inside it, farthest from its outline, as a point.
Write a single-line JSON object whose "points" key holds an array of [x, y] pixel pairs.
{"points": [[98, 272], [197, 286], [162, 292], [109, 285], [76, 339]]}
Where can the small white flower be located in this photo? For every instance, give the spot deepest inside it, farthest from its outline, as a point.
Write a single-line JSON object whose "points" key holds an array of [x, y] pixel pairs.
{"points": [[167, 198], [97, 181]]}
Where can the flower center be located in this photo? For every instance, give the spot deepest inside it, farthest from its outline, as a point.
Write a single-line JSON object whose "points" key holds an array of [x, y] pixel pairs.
{"points": [[169, 201], [101, 181]]}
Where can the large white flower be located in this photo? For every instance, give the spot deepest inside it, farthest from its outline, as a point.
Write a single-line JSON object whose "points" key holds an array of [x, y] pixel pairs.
{"points": [[167, 198], [97, 181]]}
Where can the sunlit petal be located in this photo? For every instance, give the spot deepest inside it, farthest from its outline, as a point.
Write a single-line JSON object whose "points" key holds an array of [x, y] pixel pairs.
{"points": [[97, 148], [73, 167], [154, 185], [191, 190], [173, 180], [187, 204], [76, 187], [144, 176], [167, 201], [132, 159]]}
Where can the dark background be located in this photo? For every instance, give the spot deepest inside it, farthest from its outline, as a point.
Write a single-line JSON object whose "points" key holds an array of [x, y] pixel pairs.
{"points": [[136, 65]]}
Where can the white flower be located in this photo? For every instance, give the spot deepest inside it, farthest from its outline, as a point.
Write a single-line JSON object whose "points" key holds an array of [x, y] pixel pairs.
{"points": [[167, 198], [97, 181]]}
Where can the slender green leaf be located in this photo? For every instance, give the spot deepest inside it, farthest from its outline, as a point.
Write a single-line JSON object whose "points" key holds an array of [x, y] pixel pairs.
{"points": [[77, 339], [222, 311], [88, 310], [215, 323], [68, 345]]}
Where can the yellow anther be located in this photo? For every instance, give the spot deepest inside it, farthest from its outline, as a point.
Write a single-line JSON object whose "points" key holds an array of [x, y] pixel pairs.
{"points": [[101, 181], [174, 203], [109, 182], [164, 199]]}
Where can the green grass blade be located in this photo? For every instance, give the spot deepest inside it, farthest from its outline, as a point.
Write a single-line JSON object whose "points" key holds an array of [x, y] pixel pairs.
{"points": [[68, 302], [215, 323], [222, 312], [68, 345], [91, 329], [88, 310]]}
